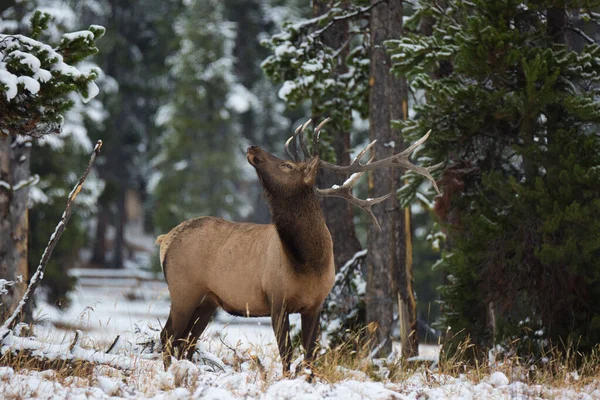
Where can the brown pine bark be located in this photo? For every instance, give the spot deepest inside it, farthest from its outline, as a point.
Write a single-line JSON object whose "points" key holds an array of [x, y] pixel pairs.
{"points": [[389, 274], [14, 223], [338, 213], [99, 249]]}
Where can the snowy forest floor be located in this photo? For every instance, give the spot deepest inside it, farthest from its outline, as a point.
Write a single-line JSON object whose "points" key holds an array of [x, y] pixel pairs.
{"points": [[246, 363]]}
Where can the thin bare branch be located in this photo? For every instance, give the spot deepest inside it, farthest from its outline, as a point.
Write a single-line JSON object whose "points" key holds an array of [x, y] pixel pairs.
{"points": [[351, 15], [58, 231], [582, 34]]}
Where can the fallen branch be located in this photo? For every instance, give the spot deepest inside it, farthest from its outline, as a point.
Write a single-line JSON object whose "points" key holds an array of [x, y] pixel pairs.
{"points": [[58, 231], [64, 353]]}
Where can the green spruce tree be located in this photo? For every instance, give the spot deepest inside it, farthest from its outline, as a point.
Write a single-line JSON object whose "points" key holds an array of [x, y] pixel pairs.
{"points": [[510, 90], [38, 78], [200, 156]]}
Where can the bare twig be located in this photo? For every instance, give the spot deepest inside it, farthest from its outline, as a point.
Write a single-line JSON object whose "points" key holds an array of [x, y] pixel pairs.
{"points": [[114, 343], [347, 16], [582, 34], [75, 341], [58, 231]]}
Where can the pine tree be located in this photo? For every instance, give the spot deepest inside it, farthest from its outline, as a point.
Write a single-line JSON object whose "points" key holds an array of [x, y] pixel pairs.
{"points": [[261, 115], [36, 86], [139, 39], [200, 159], [515, 117]]}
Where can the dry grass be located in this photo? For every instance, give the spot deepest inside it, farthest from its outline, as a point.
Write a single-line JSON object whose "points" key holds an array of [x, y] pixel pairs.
{"points": [[26, 361], [559, 368]]}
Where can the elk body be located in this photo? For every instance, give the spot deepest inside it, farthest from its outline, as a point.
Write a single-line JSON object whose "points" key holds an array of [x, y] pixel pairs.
{"points": [[254, 270]]}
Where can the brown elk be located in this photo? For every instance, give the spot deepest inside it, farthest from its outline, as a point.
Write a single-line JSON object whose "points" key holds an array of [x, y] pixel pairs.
{"points": [[271, 269]]}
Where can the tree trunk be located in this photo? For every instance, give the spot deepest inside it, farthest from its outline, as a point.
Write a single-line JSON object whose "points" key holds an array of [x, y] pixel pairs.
{"points": [[121, 220], [403, 276], [389, 260], [382, 245], [14, 224], [99, 251], [338, 213]]}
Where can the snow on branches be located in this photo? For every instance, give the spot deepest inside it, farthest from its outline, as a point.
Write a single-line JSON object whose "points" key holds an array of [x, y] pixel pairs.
{"points": [[334, 75], [36, 79]]}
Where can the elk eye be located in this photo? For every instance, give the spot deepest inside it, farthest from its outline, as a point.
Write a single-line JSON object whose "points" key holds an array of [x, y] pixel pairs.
{"points": [[288, 166]]}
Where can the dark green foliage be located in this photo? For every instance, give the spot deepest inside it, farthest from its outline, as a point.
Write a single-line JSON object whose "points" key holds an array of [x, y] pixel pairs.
{"points": [[55, 107], [514, 116], [37, 108], [310, 69]]}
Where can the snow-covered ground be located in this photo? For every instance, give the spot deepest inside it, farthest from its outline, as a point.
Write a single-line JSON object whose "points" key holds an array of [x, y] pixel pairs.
{"points": [[246, 347]]}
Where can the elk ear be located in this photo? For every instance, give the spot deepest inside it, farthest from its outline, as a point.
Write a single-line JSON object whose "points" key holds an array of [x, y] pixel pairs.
{"points": [[310, 173]]}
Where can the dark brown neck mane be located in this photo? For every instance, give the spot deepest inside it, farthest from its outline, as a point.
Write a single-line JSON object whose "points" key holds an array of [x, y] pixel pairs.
{"points": [[302, 230]]}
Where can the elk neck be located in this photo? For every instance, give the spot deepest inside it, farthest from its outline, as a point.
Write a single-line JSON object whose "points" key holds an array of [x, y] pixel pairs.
{"points": [[302, 230]]}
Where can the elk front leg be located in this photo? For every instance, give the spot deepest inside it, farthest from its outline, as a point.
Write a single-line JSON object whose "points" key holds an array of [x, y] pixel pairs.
{"points": [[310, 329], [281, 325]]}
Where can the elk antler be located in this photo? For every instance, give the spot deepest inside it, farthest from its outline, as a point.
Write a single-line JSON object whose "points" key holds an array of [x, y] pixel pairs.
{"points": [[357, 169], [299, 134]]}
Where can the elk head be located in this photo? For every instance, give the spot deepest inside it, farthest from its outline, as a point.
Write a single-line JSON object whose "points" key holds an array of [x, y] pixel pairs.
{"points": [[356, 168], [283, 177]]}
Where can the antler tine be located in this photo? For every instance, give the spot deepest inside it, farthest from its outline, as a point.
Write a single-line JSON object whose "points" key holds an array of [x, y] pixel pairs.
{"points": [[363, 152], [396, 160], [408, 151], [300, 133], [287, 148], [345, 192], [293, 153], [317, 134]]}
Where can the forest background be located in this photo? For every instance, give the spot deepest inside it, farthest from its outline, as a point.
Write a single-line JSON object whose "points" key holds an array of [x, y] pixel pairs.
{"points": [[508, 88]]}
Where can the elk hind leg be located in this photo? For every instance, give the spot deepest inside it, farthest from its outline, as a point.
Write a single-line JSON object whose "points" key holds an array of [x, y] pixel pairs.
{"points": [[174, 333], [198, 324]]}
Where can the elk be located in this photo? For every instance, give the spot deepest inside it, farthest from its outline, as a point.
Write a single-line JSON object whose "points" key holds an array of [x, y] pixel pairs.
{"points": [[273, 269]]}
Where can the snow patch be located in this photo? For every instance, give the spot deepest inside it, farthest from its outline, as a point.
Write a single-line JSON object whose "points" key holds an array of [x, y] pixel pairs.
{"points": [[498, 379]]}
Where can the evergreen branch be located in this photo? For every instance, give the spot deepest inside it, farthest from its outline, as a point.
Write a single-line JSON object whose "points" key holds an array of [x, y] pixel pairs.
{"points": [[58, 231], [347, 16]]}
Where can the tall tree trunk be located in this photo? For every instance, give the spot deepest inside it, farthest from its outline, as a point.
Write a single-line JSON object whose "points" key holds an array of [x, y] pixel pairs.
{"points": [[14, 223], [389, 260], [99, 250], [121, 220], [382, 256], [338, 213]]}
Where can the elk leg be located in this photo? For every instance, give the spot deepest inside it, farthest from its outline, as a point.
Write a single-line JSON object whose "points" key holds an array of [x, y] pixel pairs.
{"points": [[310, 329], [166, 340], [281, 325], [175, 333], [198, 324]]}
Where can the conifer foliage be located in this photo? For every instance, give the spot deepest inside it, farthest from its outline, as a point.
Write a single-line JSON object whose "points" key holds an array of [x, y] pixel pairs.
{"points": [[510, 91], [36, 78]]}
